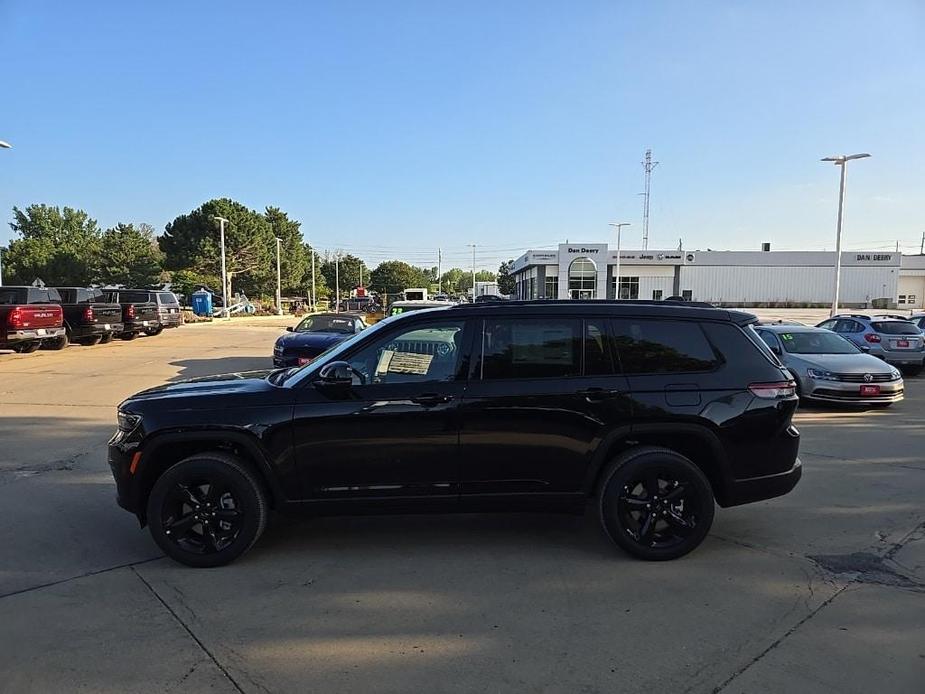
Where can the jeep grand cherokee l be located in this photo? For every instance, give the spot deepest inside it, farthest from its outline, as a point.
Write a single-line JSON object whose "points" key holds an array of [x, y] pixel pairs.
{"points": [[648, 411]]}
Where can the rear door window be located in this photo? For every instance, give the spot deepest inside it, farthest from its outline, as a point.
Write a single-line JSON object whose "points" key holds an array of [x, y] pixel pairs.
{"points": [[647, 346], [166, 298], [531, 348]]}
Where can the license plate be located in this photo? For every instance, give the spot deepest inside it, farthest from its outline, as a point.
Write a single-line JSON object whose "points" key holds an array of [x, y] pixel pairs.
{"points": [[144, 322], [40, 331], [870, 390], [902, 343]]}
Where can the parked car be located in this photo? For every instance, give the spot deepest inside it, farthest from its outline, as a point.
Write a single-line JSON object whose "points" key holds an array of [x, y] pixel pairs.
{"points": [[31, 317], [897, 342], [918, 320], [648, 411], [137, 315], [313, 336], [88, 317], [830, 368], [168, 307]]}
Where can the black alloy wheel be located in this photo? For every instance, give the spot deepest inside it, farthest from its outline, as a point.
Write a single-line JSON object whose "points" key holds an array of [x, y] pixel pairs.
{"points": [[207, 510], [107, 338], [154, 331], [90, 341], [656, 504], [129, 335]]}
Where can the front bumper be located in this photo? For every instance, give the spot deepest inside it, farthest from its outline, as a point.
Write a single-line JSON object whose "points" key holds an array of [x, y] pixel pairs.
{"points": [[119, 456], [13, 337], [838, 391]]}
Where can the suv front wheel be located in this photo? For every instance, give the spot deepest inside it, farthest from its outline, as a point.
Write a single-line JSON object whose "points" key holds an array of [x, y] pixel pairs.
{"points": [[655, 503], [207, 510]]}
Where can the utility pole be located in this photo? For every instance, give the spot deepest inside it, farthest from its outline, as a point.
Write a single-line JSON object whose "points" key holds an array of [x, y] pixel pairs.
{"points": [[619, 227], [225, 298], [279, 281], [473, 271], [922, 247], [647, 166], [440, 268], [337, 282], [311, 249]]}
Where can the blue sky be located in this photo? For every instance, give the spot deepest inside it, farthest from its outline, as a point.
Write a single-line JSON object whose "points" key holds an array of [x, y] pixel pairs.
{"points": [[390, 129]]}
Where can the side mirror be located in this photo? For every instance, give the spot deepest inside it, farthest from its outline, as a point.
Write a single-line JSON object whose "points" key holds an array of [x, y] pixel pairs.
{"points": [[864, 348], [289, 329], [337, 374], [776, 349]]}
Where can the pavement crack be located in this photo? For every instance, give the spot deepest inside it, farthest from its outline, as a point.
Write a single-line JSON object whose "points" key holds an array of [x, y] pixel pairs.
{"points": [[725, 683], [189, 631], [130, 565]]}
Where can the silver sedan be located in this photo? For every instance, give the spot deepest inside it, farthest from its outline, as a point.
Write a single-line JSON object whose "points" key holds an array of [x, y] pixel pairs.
{"points": [[829, 368]]}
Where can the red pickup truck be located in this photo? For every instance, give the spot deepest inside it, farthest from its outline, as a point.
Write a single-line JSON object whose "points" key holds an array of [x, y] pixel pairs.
{"points": [[28, 320]]}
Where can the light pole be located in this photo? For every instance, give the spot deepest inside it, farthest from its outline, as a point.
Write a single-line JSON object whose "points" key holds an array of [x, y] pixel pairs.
{"points": [[842, 161], [337, 282], [279, 281], [225, 298], [619, 227], [473, 272]]}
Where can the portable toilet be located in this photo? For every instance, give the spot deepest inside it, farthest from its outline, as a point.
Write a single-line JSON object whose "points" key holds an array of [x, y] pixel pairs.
{"points": [[202, 303]]}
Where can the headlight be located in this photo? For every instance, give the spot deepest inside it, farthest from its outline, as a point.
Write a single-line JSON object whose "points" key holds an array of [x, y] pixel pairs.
{"points": [[818, 375], [128, 421], [895, 374]]}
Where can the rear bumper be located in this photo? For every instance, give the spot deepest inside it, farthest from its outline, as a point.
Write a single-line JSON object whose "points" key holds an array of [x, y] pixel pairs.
{"points": [[96, 330], [745, 491], [136, 326], [171, 320], [13, 337], [901, 357]]}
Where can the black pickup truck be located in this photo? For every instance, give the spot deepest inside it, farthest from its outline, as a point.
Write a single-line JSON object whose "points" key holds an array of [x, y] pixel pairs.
{"points": [[30, 317], [137, 316], [88, 317]]}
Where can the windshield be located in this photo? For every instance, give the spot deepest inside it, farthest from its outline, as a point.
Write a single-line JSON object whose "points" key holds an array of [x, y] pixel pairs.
{"points": [[327, 324], [295, 375], [895, 327], [816, 343]]}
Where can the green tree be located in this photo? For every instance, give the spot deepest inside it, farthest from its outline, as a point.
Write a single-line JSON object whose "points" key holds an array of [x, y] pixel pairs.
{"points": [[393, 276], [60, 246], [191, 242], [349, 269], [465, 282], [505, 278], [450, 280], [129, 256], [295, 255]]}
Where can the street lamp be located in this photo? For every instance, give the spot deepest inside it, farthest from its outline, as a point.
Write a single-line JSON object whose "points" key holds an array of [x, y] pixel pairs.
{"points": [[473, 272], [842, 161], [225, 298], [619, 226], [279, 281]]}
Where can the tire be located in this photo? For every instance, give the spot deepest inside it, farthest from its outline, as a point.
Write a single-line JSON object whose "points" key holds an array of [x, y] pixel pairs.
{"points": [[107, 338], [232, 489], [90, 341], [154, 331], [128, 336], [623, 502], [26, 347], [58, 343]]}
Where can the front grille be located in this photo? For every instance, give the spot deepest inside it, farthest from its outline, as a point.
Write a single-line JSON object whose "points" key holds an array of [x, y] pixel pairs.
{"points": [[860, 378]]}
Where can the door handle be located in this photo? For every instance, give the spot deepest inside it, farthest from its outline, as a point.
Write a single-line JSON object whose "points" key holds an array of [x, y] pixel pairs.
{"points": [[598, 394], [431, 399]]}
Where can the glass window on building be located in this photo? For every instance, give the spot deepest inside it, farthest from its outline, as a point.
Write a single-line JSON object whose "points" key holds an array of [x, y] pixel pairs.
{"points": [[582, 279], [629, 288], [531, 288], [552, 286], [656, 295]]}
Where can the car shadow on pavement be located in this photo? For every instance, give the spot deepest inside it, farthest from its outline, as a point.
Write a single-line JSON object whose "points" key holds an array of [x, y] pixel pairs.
{"points": [[196, 368]]}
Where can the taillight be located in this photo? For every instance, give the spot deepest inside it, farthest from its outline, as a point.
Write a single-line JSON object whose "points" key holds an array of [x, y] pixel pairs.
{"points": [[14, 318], [774, 391], [88, 314], [872, 337], [130, 311], [302, 361]]}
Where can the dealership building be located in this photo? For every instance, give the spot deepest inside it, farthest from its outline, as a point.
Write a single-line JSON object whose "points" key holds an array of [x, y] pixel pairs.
{"points": [[732, 278]]}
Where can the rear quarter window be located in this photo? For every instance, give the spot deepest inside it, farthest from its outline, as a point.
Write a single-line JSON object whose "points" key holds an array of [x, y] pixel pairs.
{"points": [[647, 346], [134, 297]]}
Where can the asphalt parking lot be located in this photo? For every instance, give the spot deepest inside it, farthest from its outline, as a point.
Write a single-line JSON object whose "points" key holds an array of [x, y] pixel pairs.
{"points": [[819, 591]]}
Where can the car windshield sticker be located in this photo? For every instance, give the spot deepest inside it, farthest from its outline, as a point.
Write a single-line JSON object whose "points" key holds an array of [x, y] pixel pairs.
{"points": [[394, 362], [786, 336]]}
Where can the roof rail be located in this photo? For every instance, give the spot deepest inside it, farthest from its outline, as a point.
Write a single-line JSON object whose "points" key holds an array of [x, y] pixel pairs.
{"points": [[852, 315], [590, 302]]}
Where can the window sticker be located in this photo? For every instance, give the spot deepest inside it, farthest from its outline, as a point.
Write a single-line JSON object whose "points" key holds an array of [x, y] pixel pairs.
{"points": [[394, 362], [786, 336]]}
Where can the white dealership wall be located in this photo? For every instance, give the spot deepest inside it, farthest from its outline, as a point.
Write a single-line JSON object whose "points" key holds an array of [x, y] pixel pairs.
{"points": [[742, 277]]}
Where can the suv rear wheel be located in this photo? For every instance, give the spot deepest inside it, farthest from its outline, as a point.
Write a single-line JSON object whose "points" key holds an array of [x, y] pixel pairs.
{"points": [[207, 510], [655, 503]]}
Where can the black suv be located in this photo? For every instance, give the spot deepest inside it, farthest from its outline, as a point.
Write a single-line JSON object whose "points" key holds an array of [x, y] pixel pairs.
{"points": [[649, 411]]}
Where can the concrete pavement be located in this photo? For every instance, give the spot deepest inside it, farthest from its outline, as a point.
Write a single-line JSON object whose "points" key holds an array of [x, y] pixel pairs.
{"points": [[819, 591]]}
